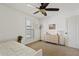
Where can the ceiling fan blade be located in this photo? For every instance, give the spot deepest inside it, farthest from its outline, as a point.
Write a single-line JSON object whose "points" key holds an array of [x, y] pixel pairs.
{"points": [[44, 13], [52, 9], [35, 12], [43, 5]]}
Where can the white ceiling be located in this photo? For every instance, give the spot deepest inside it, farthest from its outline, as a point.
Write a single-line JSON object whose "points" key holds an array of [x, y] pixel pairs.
{"points": [[64, 7]]}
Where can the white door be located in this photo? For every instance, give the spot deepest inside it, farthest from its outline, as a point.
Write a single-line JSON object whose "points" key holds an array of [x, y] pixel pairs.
{"points": [[32, 32], [73, 31], [29, 30]]}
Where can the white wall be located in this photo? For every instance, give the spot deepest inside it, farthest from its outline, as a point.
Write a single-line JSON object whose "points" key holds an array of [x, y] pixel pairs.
{"points": [[12, 23], [73, 31], [59, 21], [72, 39], [72, 21]]}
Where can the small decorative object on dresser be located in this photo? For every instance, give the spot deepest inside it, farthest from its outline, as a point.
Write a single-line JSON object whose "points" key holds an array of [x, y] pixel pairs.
{"points": [[19, 38]]}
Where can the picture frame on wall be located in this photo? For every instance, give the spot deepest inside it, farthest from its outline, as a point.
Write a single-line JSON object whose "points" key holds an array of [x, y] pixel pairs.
{"points": [[52, 26]]}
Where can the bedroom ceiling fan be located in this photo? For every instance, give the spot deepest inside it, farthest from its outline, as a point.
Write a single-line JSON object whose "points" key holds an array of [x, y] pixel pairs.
{"points": [[43, 9]]}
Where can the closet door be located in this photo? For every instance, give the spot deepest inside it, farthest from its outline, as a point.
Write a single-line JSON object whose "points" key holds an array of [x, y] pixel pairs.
{"points": [[73, 31]]}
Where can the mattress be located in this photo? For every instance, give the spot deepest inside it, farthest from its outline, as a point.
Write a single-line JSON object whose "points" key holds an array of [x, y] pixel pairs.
{"points": [[13, 48]]}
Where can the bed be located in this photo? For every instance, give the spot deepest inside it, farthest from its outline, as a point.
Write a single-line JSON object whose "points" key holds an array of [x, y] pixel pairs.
{"points": [[13, 48]]}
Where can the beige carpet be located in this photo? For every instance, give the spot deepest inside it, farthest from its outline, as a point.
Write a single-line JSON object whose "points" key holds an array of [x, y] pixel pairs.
{"points": [[54, 50]]}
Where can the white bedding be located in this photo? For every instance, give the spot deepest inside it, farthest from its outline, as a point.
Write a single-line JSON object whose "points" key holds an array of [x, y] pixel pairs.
{"points": [[13, 48]]}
